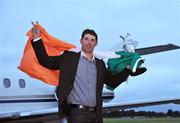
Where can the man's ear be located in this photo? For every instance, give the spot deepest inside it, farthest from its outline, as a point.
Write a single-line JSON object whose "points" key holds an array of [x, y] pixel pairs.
{"points": [[80, 41], [96, 43]]}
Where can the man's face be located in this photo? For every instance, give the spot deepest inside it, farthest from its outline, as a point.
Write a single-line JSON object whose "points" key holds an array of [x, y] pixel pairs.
{"points": [[88, 43]]}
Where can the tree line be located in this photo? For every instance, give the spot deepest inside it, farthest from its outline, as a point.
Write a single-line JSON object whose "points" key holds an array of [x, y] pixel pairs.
{"points": [[146, 114]]}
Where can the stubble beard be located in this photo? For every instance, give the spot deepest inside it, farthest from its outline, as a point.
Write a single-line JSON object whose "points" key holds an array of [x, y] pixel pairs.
{"points": [[87, 50]]}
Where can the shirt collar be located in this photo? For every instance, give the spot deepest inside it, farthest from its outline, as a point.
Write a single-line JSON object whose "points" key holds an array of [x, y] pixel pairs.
{"points": [[83, 55]]}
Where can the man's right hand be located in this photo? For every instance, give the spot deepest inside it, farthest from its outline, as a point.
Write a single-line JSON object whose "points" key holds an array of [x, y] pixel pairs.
{"points": [[35, 31]]}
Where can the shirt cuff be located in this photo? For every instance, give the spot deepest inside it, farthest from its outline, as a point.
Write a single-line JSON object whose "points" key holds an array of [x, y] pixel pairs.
{"points": [[37, 39]]}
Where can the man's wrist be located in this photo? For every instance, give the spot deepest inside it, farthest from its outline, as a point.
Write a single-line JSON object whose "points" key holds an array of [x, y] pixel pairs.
{"points": [[36, 39]]}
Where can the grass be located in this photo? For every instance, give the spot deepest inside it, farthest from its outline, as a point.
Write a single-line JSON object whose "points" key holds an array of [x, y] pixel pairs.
{"points": [[141, 120]]}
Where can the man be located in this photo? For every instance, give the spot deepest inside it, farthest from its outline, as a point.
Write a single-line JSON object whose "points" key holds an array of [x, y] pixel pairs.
{"points": [[81, 78]]}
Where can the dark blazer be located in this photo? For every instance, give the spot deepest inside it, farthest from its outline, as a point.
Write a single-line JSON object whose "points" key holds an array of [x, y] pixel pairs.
{"points": [[67, 64]]}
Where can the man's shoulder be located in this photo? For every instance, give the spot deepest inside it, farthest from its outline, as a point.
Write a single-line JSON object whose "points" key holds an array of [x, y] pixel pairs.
{"points": [[67, 52], [99, 60]]}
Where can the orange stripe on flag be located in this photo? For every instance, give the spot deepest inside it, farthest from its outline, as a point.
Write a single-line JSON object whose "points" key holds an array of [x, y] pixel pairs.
{"points": [[29, 63]]}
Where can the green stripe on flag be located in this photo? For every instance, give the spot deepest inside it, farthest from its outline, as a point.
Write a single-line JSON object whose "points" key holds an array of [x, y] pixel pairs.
{"points": [[116, 65]]}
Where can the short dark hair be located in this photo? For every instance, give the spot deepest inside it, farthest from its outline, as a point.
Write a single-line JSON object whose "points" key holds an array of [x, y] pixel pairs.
{"points": [[89, 31]]}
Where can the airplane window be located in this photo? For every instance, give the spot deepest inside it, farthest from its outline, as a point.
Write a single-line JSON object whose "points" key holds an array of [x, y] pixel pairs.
{"points": [[22, 83], [6, 82]]}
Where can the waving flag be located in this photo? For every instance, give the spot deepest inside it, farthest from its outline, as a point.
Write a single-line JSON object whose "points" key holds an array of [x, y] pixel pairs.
{"points": [[29, 63], [116, 65], [116, 61]]}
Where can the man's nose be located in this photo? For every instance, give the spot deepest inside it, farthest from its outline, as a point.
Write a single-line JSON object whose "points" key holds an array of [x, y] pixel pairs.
{"points": [[88, 41]]}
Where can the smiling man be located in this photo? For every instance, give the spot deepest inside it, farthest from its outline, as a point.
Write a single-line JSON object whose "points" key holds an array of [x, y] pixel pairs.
{"points": [[81, 78]]}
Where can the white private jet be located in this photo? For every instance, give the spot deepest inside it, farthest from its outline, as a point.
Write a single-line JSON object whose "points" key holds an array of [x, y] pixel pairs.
{"points": [[23, 99]]}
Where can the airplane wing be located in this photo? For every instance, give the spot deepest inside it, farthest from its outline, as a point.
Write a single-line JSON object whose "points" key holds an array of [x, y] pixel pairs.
{"points": [[140, 104], [52, 113], [156, 49], [35, 115]]}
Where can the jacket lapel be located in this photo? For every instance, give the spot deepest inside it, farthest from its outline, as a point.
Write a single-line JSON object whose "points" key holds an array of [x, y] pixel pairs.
{"points": [[99, 70], [74, 64]]}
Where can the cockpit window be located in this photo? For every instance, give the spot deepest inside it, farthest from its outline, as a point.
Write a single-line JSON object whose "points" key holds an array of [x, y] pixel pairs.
{"points": [[22, 83], [6, 82]]}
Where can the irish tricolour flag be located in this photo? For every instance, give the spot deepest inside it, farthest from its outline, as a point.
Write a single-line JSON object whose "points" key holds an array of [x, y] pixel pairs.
{"points": [[115, 61]]}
